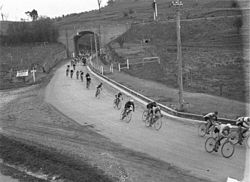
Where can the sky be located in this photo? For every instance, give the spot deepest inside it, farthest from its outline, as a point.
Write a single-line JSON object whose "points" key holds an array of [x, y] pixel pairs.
{"points": [[15, 9]]}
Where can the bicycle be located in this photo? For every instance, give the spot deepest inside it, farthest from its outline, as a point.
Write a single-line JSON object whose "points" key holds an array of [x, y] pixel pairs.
{"points": [[98, 93], [234, 136], [145, 115], [155, 122], [203, 130], [117, 104], [227, 148], [88, 84], [126, 115]]}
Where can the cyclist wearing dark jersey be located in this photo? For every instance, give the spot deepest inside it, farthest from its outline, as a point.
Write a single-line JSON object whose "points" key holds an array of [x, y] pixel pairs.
{"points": [[129, 106], [210, 118], [244, 124]]}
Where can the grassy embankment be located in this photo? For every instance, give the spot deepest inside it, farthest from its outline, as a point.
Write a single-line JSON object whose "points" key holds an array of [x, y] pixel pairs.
{"points": [[212, 56], [47, 161], [26, 57]]}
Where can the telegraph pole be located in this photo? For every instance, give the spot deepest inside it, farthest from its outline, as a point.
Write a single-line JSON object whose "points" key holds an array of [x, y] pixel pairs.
{"points": [[96, 51], [178, 4], [67, 43], [91, 48]]}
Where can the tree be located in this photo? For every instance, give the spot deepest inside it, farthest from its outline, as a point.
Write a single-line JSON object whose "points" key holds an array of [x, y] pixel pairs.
{"points": [[33, 14], [110, 2], [99, 4]]}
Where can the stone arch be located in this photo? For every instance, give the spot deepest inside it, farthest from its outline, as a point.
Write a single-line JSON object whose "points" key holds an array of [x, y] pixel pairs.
{"points": [[79, 35]]}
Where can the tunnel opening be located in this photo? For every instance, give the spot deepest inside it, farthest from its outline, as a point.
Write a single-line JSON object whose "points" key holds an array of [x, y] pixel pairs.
{"points": [[86, 41]]}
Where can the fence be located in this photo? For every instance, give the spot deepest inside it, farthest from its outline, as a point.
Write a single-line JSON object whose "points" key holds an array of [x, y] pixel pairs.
{"points": [[163, 107], [110, 69]]}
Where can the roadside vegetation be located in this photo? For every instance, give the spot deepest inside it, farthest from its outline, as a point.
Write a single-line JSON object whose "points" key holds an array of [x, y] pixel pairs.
{"points": [[49, 162], [41, 30], [212, 53]]}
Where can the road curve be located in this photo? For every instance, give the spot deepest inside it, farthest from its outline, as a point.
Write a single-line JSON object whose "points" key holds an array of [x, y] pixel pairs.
{"points": [[176, 143]]}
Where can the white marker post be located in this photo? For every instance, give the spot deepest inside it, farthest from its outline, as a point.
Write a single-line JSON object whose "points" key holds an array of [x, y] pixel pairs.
{"points": [[33, 74], [119, 67], [127, 64]]}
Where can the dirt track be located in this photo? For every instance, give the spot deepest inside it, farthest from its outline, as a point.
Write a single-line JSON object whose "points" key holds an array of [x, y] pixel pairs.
{"points": [[175, 143]]}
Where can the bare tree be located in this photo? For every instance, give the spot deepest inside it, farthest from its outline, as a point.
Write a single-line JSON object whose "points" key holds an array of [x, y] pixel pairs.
{"points": [[99, 4]]}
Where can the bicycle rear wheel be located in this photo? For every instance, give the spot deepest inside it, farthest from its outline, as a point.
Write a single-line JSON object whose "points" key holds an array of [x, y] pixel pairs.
{"points": [[144, 115], [227, 149], [202, 129], [158, 124], [210, 144], [147, 122]]}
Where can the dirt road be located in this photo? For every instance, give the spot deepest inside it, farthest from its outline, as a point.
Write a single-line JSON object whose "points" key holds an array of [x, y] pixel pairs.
{"points": [[176, 143]]}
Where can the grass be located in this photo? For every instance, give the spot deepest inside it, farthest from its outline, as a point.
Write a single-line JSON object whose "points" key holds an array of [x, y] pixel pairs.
{"points": [[49, 162], [26, 57], [212, 55]]}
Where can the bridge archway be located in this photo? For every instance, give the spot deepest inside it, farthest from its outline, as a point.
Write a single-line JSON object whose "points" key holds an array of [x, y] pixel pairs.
{"points": [[86, 40]]}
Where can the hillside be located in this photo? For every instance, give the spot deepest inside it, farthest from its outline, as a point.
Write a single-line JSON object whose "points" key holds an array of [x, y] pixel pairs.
{"points": [[41, 56], [131, 11]]}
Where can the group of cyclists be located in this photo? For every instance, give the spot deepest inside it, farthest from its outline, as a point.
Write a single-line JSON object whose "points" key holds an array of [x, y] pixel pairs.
{"points": [[70, 69], [223, 130], [154, 112]]}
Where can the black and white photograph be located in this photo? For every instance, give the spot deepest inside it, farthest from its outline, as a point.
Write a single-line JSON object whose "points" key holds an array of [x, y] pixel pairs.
{"points": [[125, 91]]}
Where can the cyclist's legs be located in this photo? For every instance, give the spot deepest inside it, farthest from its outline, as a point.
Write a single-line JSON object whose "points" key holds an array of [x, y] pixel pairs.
{"points": [[209, 124]]}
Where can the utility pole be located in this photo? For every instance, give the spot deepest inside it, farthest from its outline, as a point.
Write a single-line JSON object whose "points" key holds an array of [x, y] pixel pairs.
{"points": [[96, 51], [91, 48], [67, 43], [178, 4]]}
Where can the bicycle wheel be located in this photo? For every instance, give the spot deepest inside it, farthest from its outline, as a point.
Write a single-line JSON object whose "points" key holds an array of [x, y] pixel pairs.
{"points": [[233, 137], [128, 117], [227, 149], [119, 105], [121, 115], [144, 115], [158, 124], [202, 129], [210, 144], [147, 122], [114, 104]]}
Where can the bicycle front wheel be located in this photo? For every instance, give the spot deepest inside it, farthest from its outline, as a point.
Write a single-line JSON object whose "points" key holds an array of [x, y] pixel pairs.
{"points": [[114, 104], [158, 124], [119, 105], [210, 144], [202, 128], [122, 115], [227, 149]]}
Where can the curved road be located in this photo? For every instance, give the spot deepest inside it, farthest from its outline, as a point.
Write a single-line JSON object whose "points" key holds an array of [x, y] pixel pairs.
{"points": [[176, 143]]}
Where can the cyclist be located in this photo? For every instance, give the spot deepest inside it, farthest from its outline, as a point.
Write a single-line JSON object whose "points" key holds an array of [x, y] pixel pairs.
{"points": [[87, 75], [81, 75], [129, 106], [77, 74], [244, 124], [118, 98], [88, 80], [98, 89], [67, 71], [154, 110], [71, 73], [210, 118], [223, 130]]}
